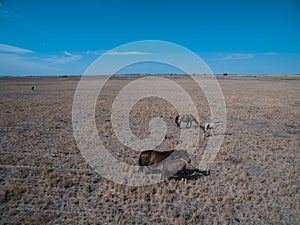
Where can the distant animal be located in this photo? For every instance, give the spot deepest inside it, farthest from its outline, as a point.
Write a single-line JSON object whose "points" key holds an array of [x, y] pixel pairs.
{"points": [[32, 88], [212, 126], [186, 118], [173, 161]]}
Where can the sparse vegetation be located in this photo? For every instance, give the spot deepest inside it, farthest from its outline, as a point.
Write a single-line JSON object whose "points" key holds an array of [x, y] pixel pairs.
{"points": [[254, 179]]}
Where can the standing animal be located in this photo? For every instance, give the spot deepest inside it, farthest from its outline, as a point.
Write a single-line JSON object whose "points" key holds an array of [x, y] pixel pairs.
{"points": [[187, 118], [174, 160], [212, 126]]}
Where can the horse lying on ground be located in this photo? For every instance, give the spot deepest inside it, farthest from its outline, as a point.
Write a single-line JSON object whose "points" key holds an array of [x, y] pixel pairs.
{"points": [[172, 161]]}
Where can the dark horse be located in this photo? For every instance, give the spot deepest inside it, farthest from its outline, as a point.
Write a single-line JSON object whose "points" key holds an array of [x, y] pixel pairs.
{"points": [[175, 160]]}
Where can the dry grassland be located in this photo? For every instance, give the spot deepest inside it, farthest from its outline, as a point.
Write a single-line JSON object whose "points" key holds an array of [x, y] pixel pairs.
{"points": [[254, 178]]}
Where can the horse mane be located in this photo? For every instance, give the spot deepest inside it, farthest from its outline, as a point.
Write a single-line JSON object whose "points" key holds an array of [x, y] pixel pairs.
{"points": [[170, 152]]}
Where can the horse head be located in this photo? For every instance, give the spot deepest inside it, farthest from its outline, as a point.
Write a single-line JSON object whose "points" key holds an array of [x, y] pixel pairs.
{"points": [[182, 154]]}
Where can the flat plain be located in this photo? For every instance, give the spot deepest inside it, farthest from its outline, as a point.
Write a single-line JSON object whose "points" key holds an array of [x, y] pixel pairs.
{"points": [[255, 178]]}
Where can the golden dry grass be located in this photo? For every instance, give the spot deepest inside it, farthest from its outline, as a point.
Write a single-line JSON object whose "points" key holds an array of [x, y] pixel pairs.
{"points": [[254, 179]]}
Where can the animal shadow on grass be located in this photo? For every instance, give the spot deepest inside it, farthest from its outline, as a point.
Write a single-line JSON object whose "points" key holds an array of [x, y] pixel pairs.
{"points": [[190, 174]]}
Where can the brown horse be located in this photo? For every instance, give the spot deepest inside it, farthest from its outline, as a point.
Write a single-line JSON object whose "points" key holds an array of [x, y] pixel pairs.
{"points": [[174, 160]]}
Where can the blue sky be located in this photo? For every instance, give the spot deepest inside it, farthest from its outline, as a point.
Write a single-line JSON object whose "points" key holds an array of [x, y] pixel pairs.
{"points": [[65, 37]]}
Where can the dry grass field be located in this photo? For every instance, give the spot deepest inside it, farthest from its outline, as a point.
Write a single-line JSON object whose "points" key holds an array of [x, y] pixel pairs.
{"points": [[255, 178]]}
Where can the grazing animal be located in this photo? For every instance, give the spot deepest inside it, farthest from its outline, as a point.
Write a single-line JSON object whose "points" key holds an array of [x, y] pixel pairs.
{"points": [[211, 126], [187, 118], [172, 161], [32, 88]]}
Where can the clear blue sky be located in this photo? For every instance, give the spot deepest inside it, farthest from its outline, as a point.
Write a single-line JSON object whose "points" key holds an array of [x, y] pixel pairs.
{"points": [[64, 37]]}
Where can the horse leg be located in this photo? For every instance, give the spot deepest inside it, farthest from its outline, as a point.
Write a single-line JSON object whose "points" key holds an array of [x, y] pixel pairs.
{"points": [[163, 175], [141, 169], [184, 177]]}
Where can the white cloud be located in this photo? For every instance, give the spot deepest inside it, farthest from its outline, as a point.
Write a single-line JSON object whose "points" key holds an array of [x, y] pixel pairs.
{"points": [[15, 61], [96, 52], [5, 13], [14, 65], [101, 52], [128, 53], [237, 56], [68, 53], [13, 49], [64, 59], [270, 53]]}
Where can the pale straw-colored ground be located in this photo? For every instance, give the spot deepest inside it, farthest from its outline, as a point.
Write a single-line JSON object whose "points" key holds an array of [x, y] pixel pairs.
{"points": [[254, 178]]}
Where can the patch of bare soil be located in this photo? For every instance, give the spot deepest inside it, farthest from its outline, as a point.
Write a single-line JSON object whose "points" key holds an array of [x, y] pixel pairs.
{"points": [[254, 178]]}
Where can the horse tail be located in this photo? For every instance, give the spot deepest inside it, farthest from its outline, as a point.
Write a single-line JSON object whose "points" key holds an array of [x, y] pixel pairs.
{"points": [[195, 120], [140, 160]]}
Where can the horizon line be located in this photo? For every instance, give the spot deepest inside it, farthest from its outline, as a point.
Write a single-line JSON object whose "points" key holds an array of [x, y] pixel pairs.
{"points": [[153, 74]]}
